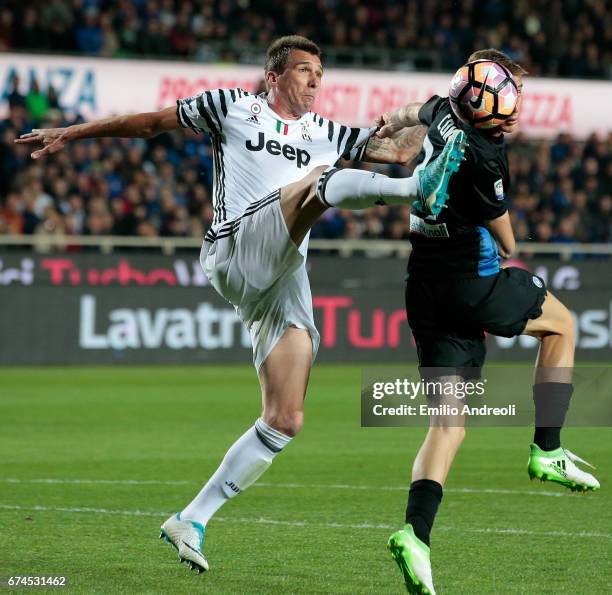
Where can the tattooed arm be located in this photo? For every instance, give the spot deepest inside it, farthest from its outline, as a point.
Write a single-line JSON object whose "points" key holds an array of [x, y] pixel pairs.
{"points": [[401, 147], [391, 122]]}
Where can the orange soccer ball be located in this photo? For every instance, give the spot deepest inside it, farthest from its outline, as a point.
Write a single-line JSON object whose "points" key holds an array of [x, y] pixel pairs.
{"points": [[483, 94]]}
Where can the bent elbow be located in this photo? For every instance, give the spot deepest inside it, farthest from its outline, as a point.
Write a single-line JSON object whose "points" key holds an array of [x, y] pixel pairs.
{"points": [[507, 249]]}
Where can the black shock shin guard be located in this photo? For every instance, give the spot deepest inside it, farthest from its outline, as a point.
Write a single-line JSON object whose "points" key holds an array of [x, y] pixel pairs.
{"points": [[424, 499], [551, 401]]}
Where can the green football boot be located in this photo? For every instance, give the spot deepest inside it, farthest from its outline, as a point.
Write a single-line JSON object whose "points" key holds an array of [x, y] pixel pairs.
{"points": [[559, 466], [434, 178], [412, 557]]}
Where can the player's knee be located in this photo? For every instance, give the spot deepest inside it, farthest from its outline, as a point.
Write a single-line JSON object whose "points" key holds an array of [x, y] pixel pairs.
{"points": [[315, 174], [287, 422], [566, 324], [302, 191], [561, 325], [311, 181], [558, 321]]}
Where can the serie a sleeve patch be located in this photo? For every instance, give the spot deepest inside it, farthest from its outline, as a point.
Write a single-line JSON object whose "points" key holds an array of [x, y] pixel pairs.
{"points": [[498, 187]]}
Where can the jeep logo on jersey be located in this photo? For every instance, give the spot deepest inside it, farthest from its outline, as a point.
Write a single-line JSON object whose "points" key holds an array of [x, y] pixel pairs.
{"points": [[273, 147]]}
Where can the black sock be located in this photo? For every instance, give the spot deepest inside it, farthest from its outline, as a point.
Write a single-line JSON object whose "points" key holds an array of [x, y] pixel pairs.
{"points": [[551, 401], [424, 498], [547, 438]]}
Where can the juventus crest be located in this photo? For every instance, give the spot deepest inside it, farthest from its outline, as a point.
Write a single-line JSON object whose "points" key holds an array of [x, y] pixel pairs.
{"points": [[306, 132]]}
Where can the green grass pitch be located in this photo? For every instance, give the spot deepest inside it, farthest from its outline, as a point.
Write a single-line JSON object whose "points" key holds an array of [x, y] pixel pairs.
{"points": [[129, 446]]}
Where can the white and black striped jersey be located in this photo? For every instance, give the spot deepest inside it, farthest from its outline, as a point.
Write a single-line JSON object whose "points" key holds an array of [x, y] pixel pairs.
{"points": [[255, 151]]}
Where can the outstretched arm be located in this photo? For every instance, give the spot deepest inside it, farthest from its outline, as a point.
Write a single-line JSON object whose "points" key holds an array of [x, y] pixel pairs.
{"points": [[145, 125], [399, 136], [392, 122], [400, 148]]}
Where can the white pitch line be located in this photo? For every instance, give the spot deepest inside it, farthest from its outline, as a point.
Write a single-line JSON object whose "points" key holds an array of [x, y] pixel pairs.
{"points": [[340, 486], [504, 491], [291, 486], [96, 481], [82, 509], [266, 521]]}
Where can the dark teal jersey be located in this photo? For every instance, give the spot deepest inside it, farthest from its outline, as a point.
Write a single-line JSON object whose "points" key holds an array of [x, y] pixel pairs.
{"points": [[456, 243]]}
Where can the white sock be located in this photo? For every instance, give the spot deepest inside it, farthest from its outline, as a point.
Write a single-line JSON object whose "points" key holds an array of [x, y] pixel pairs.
{"points": [[357, 189], [242, 466]]}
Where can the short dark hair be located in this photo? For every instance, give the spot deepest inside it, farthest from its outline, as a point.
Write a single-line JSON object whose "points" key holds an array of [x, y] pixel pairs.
{"points": [[499, 57], [278, 52]]}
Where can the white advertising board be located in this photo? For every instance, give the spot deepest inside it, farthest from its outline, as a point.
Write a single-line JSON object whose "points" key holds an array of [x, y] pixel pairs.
{"points": [[100, 87]]}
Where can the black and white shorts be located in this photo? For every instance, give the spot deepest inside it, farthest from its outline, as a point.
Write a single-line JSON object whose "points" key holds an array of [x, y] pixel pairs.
{"points": [[255, 265]]}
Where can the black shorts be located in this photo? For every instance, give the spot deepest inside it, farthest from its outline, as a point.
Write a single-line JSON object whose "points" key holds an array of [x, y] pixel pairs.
{"points": [[449, 317]]}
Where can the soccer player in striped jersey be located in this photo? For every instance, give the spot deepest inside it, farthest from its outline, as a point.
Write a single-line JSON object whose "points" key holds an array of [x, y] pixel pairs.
{"points": [[274, 177]]}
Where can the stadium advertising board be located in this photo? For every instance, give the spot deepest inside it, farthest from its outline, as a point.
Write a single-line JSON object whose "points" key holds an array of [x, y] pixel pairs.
{"points": [[88, 308], [98, 88]]}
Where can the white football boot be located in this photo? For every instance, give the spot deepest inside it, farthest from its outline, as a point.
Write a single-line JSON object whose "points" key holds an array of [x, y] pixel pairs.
{"points": [[187, 537]]}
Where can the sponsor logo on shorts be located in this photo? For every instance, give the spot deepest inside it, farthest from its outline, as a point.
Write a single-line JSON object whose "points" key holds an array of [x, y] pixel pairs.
{"points": [[537, 281], [431, 230]]}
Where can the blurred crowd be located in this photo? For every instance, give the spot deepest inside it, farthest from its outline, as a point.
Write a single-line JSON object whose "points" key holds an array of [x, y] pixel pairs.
{"points": [[569, 38], [561, 191]]}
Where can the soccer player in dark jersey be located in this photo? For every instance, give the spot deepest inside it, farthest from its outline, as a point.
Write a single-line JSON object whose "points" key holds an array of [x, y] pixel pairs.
{"points": [[455, 292]]}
